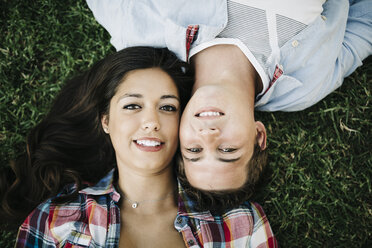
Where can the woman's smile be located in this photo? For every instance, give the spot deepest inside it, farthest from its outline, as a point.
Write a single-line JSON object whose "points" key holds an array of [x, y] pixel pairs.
{"points": [[149, 144]]}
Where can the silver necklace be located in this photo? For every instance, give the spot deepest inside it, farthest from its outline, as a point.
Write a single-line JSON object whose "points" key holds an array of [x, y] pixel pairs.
{"points": [[135, 204]]}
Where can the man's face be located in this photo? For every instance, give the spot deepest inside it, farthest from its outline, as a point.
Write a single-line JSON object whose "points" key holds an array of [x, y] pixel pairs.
{"points": [[217, 136]]}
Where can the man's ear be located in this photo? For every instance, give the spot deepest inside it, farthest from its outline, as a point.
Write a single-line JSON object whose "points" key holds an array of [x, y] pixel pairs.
{"points": [[261, 135], [104, 122]]}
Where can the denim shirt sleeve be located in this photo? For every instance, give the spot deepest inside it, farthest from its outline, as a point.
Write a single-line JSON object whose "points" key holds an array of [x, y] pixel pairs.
{"points": [[328, 50], [160, 23]]}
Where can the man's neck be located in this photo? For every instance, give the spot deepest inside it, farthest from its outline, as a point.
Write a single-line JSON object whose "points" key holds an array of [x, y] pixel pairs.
{"points": [[226, 64]]}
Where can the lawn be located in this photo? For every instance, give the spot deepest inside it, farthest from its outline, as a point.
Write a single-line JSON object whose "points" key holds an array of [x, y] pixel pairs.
{"points": [[317, 189]]}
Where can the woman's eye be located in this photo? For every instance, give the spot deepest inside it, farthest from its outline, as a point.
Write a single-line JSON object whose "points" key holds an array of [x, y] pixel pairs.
{"points": [[194, 150], [132, 106], [168, 108], [227, 150]]}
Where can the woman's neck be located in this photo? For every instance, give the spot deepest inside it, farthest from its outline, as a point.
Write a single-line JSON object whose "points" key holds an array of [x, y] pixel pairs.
{"points": [[155, 213], [152, 193]]}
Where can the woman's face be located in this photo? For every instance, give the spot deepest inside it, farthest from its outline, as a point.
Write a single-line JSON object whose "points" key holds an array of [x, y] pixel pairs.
{"points": [[143, 121]]}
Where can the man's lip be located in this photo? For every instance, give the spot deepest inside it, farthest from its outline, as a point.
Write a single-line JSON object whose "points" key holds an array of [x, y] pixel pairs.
{"points": [[209, 109]]}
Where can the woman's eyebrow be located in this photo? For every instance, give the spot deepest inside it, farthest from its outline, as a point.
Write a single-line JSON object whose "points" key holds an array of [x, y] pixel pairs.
{"points": [[130, 95], [141, 96], [169, 96]]}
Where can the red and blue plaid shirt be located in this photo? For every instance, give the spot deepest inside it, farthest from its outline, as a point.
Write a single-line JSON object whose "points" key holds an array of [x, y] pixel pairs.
{"points": [[93, 220]]}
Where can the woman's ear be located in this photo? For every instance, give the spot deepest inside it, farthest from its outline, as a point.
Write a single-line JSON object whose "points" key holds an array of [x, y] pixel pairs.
{"points": [[104, 122], [261, 135]]}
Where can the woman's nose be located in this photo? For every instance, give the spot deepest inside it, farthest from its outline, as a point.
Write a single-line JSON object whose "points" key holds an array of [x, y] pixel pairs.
{"points": [[150, 122], [151, 126]]}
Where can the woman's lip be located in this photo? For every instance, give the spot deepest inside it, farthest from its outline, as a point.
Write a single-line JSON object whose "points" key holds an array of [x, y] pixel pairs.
{"points": [[209, 112], [149, 144], [150, 138]]}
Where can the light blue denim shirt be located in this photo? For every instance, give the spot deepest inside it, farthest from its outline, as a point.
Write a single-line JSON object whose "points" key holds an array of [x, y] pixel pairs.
{"points": [[314, 62], [159, 23]]}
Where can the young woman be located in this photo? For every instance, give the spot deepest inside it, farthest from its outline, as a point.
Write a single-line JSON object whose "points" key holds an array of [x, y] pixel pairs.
{"points": [[101, 163], [131, 102]]}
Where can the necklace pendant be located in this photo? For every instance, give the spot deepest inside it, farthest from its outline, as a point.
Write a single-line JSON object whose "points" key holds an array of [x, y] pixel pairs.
{"points": [[135, 205]]}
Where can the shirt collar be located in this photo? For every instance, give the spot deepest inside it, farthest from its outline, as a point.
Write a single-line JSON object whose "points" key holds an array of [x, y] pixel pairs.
{"points": [[186, 207], [103, 187]]}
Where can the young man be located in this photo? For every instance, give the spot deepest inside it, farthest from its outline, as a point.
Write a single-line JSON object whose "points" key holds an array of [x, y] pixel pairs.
{"points": [[248, 55]]}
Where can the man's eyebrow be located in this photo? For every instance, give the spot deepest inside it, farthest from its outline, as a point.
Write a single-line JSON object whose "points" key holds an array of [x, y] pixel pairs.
{"points": [[130, 95], [228, 160], [191, 159], [169, 96], [220, 159]]}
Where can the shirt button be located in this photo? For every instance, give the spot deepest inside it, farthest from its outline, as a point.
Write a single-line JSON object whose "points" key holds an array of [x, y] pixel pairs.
{"points": [[295, 43], [179, 220], [324, 18], [190, 242]]}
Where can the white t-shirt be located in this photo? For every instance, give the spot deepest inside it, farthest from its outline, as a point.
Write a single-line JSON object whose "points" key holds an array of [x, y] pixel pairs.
{"points": [[260, 28]]}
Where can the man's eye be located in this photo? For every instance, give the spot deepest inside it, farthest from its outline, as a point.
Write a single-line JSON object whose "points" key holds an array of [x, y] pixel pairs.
{"points": [[227, 150], [132, 106], [168, 108], [194, 150]]}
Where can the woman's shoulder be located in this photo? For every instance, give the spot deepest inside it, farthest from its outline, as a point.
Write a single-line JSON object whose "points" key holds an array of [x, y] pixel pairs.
{"points": [[35, 228], [53, 223]]}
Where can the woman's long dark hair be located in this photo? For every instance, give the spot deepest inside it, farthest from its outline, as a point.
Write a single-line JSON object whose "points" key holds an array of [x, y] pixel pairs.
{"points": [[69, 145]]}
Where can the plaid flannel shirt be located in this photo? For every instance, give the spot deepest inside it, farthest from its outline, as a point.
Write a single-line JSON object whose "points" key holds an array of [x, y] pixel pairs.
{"points": [[93, 220]]}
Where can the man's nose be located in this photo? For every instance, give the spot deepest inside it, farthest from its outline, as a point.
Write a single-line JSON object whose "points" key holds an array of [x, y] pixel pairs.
{"points": [[209, 133]]}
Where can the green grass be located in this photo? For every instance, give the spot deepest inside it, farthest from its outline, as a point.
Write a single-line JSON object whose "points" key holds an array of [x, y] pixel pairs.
{"points": [[317, 191]]}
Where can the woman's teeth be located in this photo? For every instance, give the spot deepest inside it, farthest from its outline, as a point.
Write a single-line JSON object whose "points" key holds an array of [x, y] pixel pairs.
{"points": [[148, 142]]}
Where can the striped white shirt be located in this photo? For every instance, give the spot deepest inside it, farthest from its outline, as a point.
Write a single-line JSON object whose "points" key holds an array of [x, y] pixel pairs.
{"points": [[261, 28]]}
